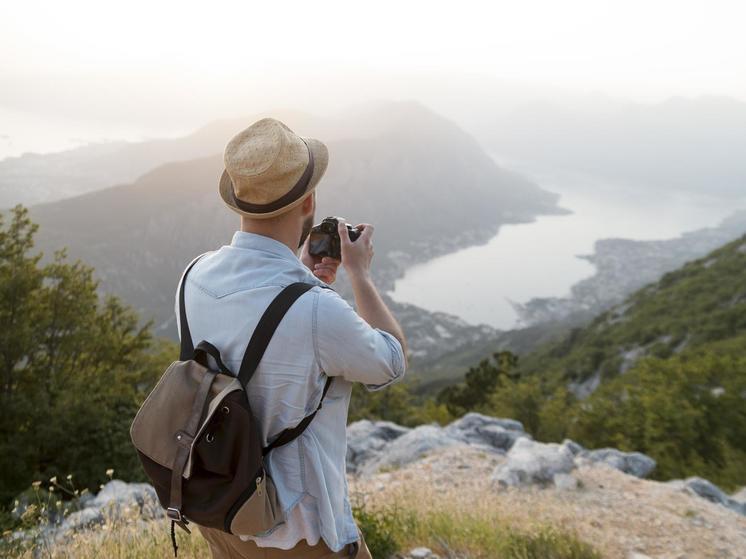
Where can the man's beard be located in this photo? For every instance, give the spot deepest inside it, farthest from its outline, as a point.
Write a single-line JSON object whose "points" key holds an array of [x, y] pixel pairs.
{"points": [[307, 225]]}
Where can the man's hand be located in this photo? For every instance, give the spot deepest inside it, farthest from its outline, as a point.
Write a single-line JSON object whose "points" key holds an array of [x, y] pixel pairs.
{"points": [[356, 255], [323, 268]]}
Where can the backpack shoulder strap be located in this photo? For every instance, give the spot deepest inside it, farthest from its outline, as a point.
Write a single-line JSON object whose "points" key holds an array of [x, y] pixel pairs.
{"points": [[187, 346], [266, 327], [292, 433], [263, 332]]}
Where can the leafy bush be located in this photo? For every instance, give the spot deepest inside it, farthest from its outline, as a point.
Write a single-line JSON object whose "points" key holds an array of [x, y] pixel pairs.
{"points": [[479, 383], [398, 403], [687, 412], [75, 368], [382, 529]]}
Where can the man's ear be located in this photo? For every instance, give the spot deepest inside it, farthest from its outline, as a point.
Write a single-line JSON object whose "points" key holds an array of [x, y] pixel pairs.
{"points": [[309, 204]]}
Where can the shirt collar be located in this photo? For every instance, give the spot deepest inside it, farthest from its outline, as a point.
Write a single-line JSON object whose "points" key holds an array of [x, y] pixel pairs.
{"points": [[245, 239]]}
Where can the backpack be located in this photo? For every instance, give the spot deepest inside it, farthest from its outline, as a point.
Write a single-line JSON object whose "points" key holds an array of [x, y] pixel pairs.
{"points": [[200, 444]]}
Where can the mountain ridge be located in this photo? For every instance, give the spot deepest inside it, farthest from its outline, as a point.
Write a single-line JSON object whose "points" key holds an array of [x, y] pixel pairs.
{"points": [[402, 177]]}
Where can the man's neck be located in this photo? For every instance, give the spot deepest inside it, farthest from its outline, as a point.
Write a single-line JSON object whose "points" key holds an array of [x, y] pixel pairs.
{"points": [[286, 235]]}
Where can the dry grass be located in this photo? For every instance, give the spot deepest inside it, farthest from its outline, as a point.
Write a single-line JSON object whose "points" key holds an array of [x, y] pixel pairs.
{"points": [[453, 528], [126, 537], [618, 514], [456, 524]]}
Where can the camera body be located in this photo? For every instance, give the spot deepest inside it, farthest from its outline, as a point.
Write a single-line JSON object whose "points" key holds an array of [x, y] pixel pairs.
{"points": [[324, 238]]}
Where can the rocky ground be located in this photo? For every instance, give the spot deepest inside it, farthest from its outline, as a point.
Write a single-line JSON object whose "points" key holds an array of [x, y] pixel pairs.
{"points": [[489, 468], [623, 516], [601, 495]]}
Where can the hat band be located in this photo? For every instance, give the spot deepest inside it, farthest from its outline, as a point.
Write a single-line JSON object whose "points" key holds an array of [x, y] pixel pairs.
{"points": [[291, 196]]}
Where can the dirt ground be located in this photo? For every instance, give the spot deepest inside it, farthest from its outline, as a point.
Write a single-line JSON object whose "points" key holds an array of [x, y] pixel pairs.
{"points": [[622, 516]]}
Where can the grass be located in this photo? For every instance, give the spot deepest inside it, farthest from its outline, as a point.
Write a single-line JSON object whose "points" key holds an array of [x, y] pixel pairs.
{"points": [[446, 522], [128, 537], [456, 532], [387, 530]]}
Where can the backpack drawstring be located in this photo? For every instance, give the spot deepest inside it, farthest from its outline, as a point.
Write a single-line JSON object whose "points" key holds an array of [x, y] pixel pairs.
{"points": [[173, 538]]}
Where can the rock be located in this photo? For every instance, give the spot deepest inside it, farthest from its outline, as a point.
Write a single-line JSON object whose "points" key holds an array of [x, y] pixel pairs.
{"points": [[497, 433], [472, 421], [366, 439], [710, 491], [532, 462], [585, 388], [573, 447], [739, 495], [117, 495], [421, 553], [115, 499], [633, 463], [565, 482], [81, 519], [408, 448]]}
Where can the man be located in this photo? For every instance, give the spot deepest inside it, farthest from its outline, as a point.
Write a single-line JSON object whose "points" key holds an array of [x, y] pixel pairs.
{"points": [[270, 179]]}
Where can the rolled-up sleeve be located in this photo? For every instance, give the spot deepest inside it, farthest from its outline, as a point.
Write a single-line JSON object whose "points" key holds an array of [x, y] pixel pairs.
{"points": [[347, 346]]}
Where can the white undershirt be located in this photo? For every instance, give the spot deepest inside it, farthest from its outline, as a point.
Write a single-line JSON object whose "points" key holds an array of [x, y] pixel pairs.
{"points": [[302, 523]]}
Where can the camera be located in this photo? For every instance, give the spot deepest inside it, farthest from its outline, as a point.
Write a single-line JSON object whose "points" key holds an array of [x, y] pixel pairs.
{"points": [[324, 238]]}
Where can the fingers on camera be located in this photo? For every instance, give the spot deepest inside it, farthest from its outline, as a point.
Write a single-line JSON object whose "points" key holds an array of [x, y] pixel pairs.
{"points": [[366, 228]]}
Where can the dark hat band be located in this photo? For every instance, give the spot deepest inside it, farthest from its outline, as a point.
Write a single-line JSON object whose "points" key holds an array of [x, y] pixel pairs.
{"points": [[289, 197]]}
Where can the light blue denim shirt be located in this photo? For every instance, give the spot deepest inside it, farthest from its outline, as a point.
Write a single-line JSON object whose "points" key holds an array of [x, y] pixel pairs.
{"points": [[226, 293]]}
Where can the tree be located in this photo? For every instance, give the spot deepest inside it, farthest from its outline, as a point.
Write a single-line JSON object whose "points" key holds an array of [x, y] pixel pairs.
{"points": [[687, 412], [479, 383], [75, 368], [397, 403]]}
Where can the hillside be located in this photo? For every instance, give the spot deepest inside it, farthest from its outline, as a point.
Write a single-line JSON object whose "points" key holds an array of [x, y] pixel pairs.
{"points": [[403, 172], [544, 319], [704, 301]]}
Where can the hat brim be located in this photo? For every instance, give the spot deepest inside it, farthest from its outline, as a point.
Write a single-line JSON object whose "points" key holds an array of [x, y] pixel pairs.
{"points": [[320, 162]]}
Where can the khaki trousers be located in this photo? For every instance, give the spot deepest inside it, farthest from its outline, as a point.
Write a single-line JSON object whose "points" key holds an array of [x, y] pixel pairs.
{"points": [[227, 546]]}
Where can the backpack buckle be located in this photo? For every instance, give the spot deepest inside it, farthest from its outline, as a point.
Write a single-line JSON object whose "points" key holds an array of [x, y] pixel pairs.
{"points": [[174, 514]]}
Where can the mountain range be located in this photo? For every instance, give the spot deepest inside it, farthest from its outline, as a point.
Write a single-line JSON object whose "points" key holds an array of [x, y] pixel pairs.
{"points": [[426, 185]]}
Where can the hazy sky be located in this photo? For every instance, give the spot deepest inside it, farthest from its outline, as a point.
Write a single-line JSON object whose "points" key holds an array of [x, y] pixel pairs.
{"points": [[148, 67]]}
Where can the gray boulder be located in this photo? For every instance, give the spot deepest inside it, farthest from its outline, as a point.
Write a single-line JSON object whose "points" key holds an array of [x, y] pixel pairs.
{"points": [[366, 439], [573, 447], [531, 462], [739, 495], [632, 463], [116, 499], [80, 520], [708, 490], [478, 429], [117, 495], [407, 448], [565, 482]]}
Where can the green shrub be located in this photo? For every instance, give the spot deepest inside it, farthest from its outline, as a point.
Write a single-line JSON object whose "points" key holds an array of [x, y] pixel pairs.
{"points": [[76, 367]]}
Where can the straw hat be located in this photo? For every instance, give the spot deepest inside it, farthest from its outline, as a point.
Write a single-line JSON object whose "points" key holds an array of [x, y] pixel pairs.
{"points": [[270, 170]]}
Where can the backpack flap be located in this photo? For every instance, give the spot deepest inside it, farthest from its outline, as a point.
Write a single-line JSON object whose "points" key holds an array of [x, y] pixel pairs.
{"points": [[167, 409], [216, 404]]}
